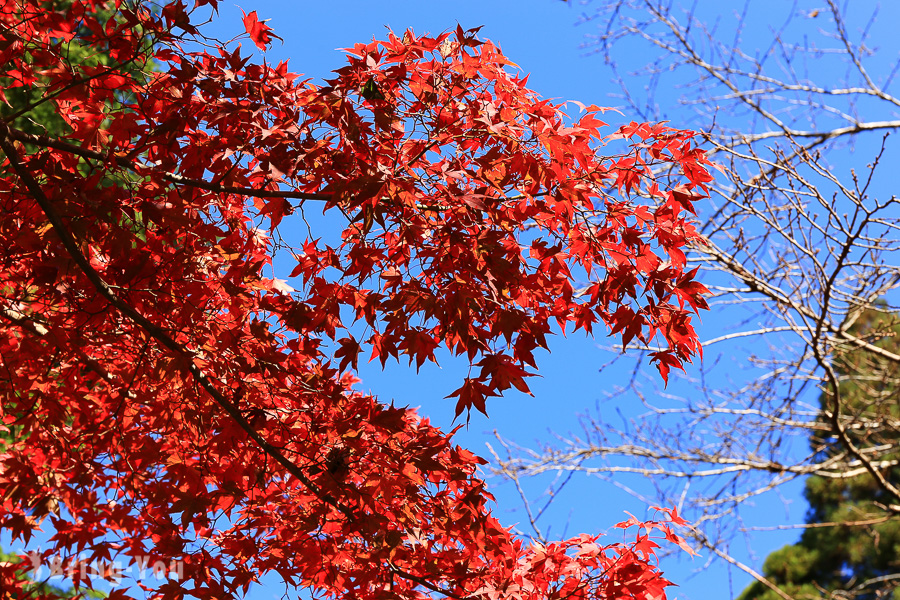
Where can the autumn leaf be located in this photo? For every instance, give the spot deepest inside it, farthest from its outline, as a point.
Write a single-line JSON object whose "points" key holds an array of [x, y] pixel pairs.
{"points": [[260, 33]]}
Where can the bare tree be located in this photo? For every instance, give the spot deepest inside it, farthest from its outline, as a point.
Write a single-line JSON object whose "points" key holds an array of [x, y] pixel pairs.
{"points": [[803, 233]]}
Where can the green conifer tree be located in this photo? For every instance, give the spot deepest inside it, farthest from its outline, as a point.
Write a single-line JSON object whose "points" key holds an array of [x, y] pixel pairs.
{"points": [[851, 547]]}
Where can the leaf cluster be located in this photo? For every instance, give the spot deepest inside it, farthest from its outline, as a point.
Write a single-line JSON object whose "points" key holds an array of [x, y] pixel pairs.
{"points": [[172, 401]]}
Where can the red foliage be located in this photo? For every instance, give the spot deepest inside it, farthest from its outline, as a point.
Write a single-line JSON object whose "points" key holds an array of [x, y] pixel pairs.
{"points": [[163, 398], [260, 33]]}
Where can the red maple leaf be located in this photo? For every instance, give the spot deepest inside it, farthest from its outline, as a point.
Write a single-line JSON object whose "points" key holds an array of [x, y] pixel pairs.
{"points": [[260, 33]]}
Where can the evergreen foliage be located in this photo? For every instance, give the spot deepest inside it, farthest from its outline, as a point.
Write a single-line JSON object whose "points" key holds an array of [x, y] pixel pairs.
{"points": [[852, 547]]}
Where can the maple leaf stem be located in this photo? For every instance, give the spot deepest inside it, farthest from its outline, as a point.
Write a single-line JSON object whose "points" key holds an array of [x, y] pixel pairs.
{"points": [[49, 142]]}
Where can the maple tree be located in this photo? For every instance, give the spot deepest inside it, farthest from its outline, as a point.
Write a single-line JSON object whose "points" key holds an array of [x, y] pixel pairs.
{"points": [[164, 399]]}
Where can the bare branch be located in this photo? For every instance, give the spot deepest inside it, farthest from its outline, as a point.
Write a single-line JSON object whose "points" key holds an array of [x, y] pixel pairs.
{"points": [[802, 258]]}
